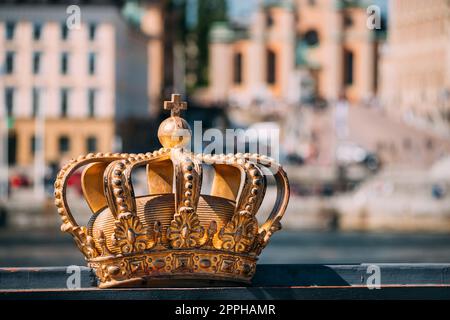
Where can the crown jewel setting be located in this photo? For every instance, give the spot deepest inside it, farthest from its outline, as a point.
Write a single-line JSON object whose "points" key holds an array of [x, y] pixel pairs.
{"points": [[174, 232]]}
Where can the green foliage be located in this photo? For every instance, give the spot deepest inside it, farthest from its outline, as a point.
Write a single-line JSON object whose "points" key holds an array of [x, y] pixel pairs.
{"points": [[209, 11]]}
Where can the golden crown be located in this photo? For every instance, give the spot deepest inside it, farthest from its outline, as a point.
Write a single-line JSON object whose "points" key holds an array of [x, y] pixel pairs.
{"points": [[174, 232]]}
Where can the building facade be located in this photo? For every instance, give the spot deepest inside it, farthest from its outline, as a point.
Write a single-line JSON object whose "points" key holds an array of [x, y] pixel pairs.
{"points": [[295, 51], [75, 84], [415, 77]]}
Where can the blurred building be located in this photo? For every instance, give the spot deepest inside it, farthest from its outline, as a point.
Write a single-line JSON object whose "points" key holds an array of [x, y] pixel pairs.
{"points": [[76, 86], [295, 51], [415, 77]]}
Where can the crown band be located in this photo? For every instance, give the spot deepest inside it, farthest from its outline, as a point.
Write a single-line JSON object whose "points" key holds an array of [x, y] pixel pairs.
{"points": [[149, 268]]}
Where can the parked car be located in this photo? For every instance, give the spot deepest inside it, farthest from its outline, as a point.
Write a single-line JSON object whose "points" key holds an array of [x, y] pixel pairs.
{"points": [[19, 181], [349, 153], [293, 158]]}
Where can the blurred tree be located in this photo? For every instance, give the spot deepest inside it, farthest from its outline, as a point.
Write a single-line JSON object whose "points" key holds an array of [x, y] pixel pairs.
{"points": [[188, 22], [176, 11], [209, 11]]}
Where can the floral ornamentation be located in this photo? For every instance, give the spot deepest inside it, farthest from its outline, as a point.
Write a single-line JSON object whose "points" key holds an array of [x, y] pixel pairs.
{"points": [[208, 237], [239, 233], [102, 242], [259, 243], [84, 242], [185, 230], [130, 236]]}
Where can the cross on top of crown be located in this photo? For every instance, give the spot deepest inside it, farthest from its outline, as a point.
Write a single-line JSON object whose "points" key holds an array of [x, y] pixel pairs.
{"points": [[175, 105]]}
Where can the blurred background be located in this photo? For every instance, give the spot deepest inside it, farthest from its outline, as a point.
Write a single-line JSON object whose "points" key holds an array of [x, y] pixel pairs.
{"points": [[359, 90]]}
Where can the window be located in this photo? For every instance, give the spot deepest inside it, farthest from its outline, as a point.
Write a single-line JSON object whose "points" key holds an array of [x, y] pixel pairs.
{"points": [[64, 63], [63, 144], [36, 62], [429, 144], [269, 20], [12, 148], [92, 31], [91, 102], [37, 31], [9, 101], [311, 38], [9, 63], [237, 64], [33, 144], [348, 67], [91, 144], [348, 21], [10, 28], [64, 102], [35, 102], [64, 31], [271, 67], [92, 62]]}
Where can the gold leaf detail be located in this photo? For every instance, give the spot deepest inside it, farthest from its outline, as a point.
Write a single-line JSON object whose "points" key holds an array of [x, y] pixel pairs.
{"points": [[130, 236], [103, 245], [185, 230], [239, 233], [84, 242]]}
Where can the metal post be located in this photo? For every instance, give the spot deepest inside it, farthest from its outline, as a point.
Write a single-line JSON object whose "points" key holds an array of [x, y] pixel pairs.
{"points": [[4, 169], [4, 166]]}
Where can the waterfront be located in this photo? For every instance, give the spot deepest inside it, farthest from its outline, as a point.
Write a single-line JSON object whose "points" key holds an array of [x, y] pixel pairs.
{"points": [[49, 247]]}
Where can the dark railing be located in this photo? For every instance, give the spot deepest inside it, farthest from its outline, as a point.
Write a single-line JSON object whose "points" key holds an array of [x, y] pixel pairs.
{"points": [[397, 281]]}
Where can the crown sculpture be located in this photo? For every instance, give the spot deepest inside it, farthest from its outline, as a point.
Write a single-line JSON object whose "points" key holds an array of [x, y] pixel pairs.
{"points": [[174, 233]]}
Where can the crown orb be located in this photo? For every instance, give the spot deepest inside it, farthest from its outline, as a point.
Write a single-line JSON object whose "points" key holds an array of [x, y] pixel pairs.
{"points": [[174, 132]]}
